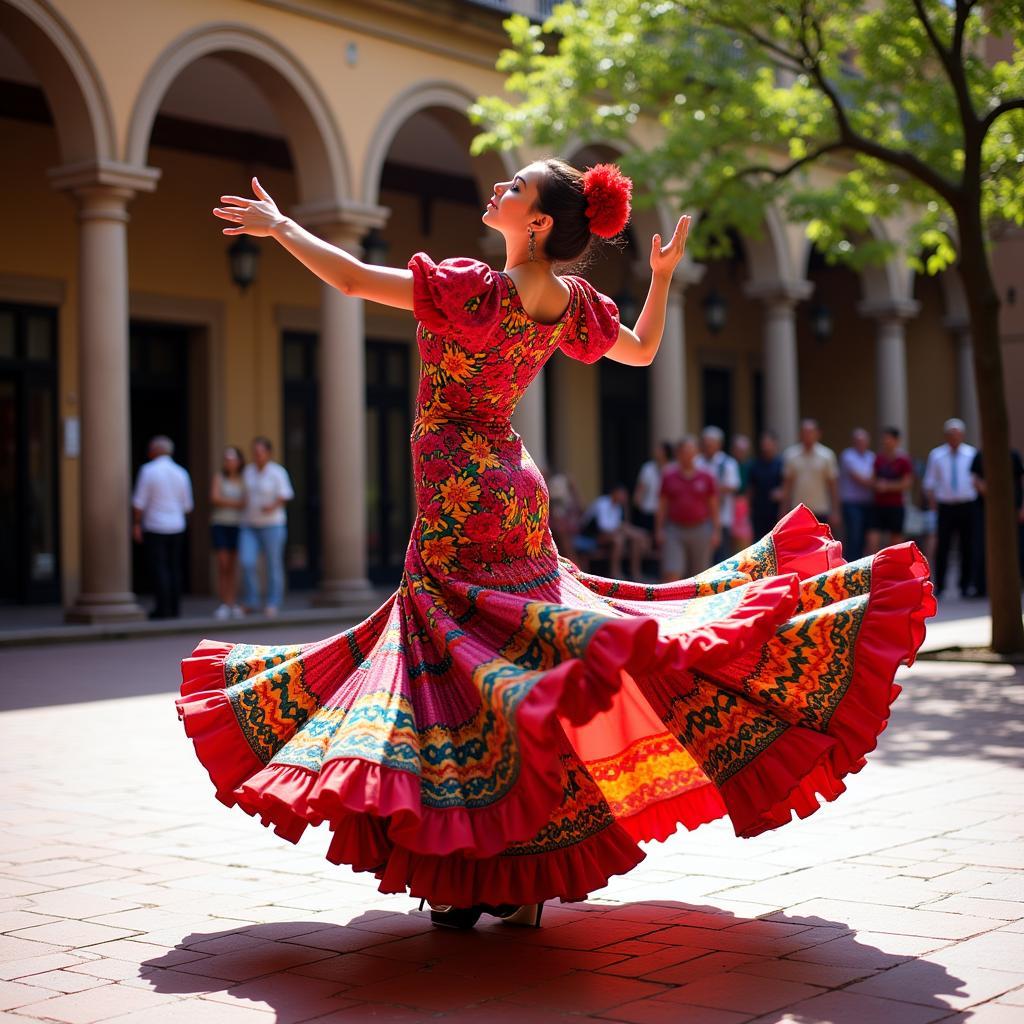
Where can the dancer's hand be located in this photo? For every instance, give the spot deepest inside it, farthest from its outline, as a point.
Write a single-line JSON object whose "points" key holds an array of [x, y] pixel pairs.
{"points": [[257, 216], [664, 259]]}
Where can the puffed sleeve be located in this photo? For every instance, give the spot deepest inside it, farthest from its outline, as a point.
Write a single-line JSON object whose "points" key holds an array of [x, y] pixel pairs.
{"points": [[456, 293], [596, 326]]}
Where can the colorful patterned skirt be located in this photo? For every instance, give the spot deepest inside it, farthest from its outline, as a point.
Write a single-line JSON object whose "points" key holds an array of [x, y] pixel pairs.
{"points": [[514, 742]]}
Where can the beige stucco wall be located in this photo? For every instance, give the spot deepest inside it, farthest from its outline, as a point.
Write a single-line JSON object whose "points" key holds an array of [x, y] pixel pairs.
{"points": [[125, 41], [177, 254]]}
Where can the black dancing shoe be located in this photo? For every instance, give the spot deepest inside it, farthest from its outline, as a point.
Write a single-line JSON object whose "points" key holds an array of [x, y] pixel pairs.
{"points": [[444, 915]]}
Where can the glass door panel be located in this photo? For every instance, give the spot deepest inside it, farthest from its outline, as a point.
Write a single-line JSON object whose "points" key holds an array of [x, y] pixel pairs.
{"points": [[29, 509]]}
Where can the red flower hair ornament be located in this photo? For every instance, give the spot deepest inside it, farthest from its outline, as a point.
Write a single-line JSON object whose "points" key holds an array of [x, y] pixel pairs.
{"points": [[608, 193]]}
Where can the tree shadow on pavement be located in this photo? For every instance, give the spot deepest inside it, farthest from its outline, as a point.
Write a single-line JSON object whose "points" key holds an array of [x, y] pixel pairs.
{"points": [[956, 709], [642, 962]]}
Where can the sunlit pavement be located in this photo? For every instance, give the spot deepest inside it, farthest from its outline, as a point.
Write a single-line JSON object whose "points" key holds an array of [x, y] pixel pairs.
{"points": [[127, 892]]}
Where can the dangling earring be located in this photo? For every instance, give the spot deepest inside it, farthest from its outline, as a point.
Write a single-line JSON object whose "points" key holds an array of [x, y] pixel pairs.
{"points": [[532, 245]]}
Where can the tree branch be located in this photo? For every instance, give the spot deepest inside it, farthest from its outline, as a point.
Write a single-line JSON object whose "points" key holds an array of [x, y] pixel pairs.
{"points": [[778, 173], [1014, 104], [858, 143], [963, 12], [952, 62], [946, 56], [794, 63]]}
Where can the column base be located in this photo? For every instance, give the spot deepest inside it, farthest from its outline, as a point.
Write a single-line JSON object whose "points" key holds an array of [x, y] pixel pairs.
{"points": [[91, 608], [334, 593]]}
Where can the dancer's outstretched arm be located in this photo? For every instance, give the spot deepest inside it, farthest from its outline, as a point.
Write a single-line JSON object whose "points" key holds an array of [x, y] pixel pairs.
{"points": [[638, 347], [262, 218]]}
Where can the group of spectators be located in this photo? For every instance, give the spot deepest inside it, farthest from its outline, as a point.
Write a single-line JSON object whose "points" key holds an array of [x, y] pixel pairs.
{"points": [[247, 522], [695, 504]]}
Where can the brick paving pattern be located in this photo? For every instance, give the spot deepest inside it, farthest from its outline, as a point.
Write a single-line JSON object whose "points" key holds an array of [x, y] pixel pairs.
{"points": [[127, 893]]}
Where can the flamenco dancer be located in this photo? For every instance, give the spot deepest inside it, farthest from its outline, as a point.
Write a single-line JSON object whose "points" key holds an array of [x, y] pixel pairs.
{"points": [[506, 728]]}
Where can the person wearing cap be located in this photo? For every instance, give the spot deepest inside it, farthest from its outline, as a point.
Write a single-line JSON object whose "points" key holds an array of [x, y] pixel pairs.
{"points": [[949, 489]]}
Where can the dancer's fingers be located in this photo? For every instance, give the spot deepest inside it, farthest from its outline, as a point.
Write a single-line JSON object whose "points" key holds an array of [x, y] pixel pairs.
{"points": [[236, 200], [682, 228], [226, 214], [259, 189], [233, 231]]}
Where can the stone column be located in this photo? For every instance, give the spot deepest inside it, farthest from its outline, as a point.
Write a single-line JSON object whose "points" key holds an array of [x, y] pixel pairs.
{"points": [[966, 391], [102, 191], [781, 377], [530, 421], [668, 371], [891, 361], [342, 364]]}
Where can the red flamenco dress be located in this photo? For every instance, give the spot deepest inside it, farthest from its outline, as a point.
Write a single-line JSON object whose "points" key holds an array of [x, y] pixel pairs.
{"points": [[507, 728]]}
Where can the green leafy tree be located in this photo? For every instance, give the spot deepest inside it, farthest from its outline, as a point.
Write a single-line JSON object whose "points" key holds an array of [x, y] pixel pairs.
{"points": [[893, 100]]}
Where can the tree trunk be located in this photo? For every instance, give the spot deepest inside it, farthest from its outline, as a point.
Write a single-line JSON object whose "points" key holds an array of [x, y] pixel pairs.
{"points": [[1004, 584]]}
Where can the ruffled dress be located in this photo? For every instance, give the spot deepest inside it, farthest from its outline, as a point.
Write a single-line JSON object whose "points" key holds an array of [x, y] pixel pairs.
{"points": [[506, 728]]}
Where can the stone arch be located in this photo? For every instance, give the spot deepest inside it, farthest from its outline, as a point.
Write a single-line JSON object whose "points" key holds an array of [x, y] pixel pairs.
{"points": [[773, 257], [883, 284], [447, 102], [321, 164], [69, 79]]}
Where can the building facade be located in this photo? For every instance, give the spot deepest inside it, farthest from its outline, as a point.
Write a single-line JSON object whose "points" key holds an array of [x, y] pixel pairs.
{"points": [[122, 313]]}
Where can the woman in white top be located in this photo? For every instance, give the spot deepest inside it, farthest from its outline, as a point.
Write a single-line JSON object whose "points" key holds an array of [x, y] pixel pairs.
{"points": [[227, 499]]}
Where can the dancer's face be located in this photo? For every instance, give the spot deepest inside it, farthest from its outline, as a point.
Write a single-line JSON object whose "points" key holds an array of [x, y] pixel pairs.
{"points": [[512, 209]]}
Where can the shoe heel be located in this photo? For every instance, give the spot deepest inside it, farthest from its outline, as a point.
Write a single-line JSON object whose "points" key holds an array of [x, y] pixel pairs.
{"points": [[526, 916]]}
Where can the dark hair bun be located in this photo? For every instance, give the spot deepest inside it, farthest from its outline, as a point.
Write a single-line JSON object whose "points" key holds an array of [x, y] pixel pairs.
{"points": [[608, 193]]}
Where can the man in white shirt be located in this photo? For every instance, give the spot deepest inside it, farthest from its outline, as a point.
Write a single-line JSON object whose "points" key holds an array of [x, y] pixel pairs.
{"points": [[160, 503], [606, 519], [726, 471], [950, 490], [264, 527]]}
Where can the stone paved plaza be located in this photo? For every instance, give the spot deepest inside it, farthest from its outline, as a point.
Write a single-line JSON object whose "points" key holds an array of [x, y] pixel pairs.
{"points": [[127, 893]]}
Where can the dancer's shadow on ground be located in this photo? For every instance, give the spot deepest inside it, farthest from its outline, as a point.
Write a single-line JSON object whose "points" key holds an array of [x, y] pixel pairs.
{"points": [[587, 959]]}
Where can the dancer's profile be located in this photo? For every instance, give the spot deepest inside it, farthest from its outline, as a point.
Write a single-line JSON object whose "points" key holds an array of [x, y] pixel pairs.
{"points": [[506, 728]]}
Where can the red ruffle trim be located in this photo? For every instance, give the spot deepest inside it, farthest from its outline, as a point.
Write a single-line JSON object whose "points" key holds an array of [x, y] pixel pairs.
{"points": [[805, 546], [205, 711], [691, 810], [803, 765], [569, 873]]}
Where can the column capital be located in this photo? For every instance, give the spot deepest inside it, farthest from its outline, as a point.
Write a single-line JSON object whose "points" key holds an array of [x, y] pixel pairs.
{"points": [[342, 219], [778, 291], [889, 309], [113, 175]]}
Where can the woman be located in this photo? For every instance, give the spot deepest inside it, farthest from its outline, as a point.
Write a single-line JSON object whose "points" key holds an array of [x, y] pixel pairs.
{"points": [[227, 499], [507, 728]]}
